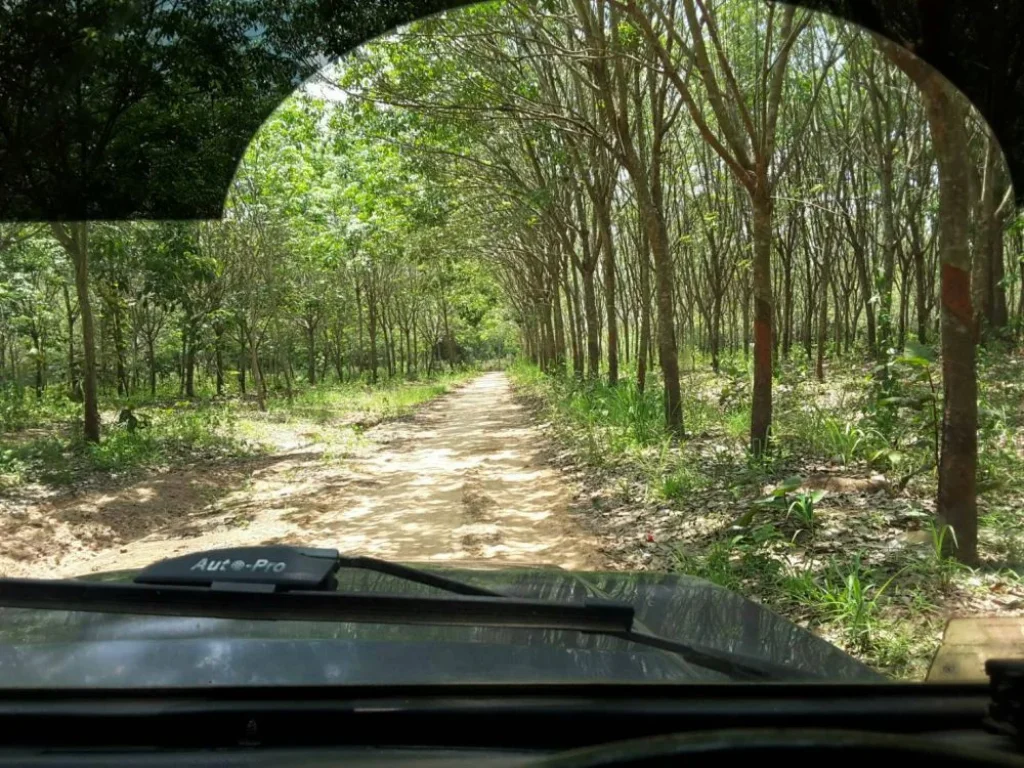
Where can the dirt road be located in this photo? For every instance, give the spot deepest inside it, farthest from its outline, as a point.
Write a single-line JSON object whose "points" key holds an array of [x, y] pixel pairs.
{"points": [[463, 480]]}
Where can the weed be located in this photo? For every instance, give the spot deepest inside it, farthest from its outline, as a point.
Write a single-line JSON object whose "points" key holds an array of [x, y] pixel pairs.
{"points": [[849, 598], [739, 563], [779, 496], [844, 440], [681, 483], [803, 508], [940, 564], [737, 423], [886, 420]]}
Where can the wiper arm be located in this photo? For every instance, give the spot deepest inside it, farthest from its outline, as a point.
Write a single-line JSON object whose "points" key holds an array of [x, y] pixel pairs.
{"points": [[730, 663], [415, 575], [283, 568]]}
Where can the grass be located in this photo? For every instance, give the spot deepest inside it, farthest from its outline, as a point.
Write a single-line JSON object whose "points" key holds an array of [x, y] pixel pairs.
{"points": [[364, 403], [865, 569], [41, 440], [57, 455]]}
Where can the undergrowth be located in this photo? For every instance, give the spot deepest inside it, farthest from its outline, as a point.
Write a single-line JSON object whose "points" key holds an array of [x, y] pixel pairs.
{"points": [[866, 569], [42, 441]]}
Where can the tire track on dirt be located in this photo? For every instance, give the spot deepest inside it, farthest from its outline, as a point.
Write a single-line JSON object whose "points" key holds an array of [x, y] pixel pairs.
{"points": [[465, 479]]}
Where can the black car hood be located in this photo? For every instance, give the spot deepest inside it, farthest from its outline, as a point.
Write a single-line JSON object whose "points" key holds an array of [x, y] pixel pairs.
{"points": [[40, 648]]}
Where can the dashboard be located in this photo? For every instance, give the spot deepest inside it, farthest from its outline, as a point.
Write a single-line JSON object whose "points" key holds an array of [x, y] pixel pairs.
{"points": [[576, 726]]}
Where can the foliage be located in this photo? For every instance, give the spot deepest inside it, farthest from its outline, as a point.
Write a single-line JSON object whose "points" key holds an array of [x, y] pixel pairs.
{"points": [[879, 596], [848, 596], [170, 432], [802, 508]]}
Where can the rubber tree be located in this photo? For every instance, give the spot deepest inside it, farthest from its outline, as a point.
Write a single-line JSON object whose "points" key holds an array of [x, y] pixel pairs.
{"points": [[74, 237], [958, 458], [694, 54], [620, 91]]}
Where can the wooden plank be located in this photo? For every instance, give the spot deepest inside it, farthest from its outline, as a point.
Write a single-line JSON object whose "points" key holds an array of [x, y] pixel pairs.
{"points": [[968, 643], [1005, 630]]}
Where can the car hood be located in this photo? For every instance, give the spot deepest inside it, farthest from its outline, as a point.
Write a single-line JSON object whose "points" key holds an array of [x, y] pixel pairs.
{"points": [[42, 648]]}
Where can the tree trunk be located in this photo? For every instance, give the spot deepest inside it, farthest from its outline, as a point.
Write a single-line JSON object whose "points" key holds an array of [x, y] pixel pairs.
{"points": [[957, 499], [714, 331], [241, 364], [808, 312], [904, 311], [787, 304], [218, 348], [40, 361], [257, 374], [888, 254], [387, 342], [311, 352], [644, 340], [122, 376], [449, 339], [415, 348], [867, 293], [668, 355], [590, 309], [360, 359], [190, 360], [73, 380], [957, 502], [746, 319], [608, 266], [761, 410], [989, 295], [559, 324], [75, 239], [819, 366], [922, 297], [151, 363], [577, 318], [371, 327]]}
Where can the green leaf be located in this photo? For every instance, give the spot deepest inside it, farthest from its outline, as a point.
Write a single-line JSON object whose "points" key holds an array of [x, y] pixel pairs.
{"points": [[916, 350], [789, 484]]}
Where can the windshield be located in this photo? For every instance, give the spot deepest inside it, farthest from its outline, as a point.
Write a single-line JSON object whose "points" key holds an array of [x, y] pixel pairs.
{"points": [[724, 296]]}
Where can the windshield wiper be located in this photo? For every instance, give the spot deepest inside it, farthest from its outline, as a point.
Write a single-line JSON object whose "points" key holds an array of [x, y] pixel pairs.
{"points": [[300, 605], [289, 583], [283, 568]]}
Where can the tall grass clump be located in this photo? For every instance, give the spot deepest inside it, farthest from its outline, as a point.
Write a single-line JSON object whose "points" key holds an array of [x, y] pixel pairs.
{"points": [[605, 422], [377, 402], [169, 435], [20, 408]]}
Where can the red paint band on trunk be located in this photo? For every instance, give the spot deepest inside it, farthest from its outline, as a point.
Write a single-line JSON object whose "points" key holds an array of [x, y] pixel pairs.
{"points": [[762, 341], [956, 294], [762, 332]]}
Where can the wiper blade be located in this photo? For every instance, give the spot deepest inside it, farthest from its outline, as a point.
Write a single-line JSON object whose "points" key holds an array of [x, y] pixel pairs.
{"points": [[233, 603]]}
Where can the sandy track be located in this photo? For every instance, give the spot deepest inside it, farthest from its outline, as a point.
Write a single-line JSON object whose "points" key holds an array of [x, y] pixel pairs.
{"points": [[464, 480]]}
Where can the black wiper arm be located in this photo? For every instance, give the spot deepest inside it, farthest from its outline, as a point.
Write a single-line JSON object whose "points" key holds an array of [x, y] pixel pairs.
{"points": [[243, 602], [733, 665], [415, 575]]}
